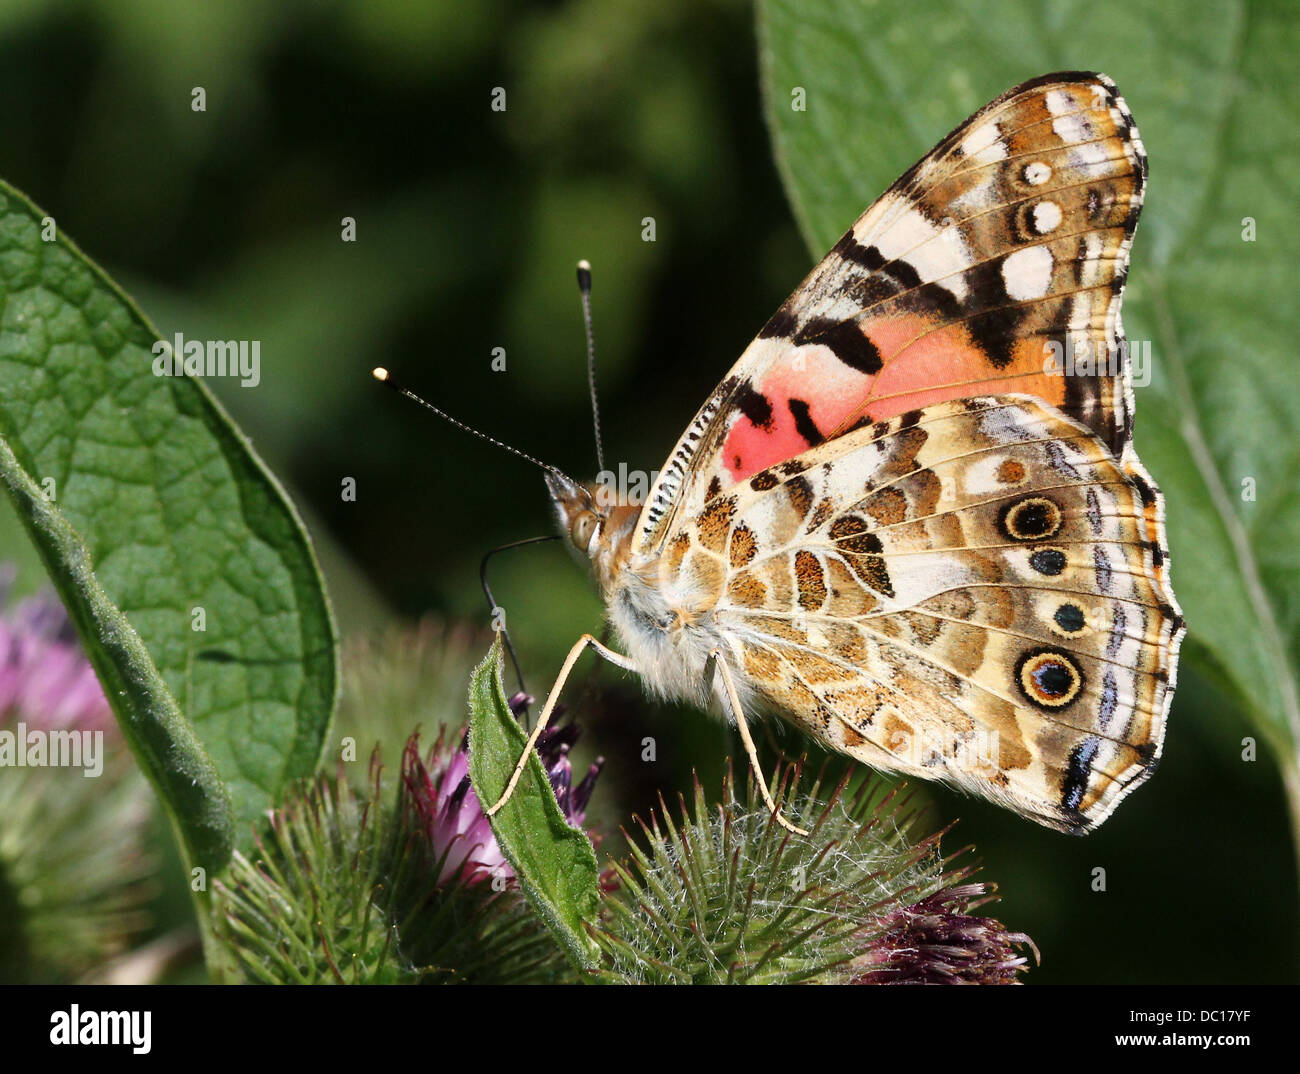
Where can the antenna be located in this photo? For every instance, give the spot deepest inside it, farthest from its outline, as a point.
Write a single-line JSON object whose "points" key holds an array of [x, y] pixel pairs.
{"points": [[584, 289], [386, 378]]}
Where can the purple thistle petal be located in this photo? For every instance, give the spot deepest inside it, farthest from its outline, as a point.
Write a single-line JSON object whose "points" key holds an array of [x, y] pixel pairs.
{"points": [[582, 793], [439, 791], [937, 941], [450, 815]]}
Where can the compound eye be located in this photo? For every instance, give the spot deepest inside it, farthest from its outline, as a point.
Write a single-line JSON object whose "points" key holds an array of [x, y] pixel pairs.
{"points": [[580, 533]]}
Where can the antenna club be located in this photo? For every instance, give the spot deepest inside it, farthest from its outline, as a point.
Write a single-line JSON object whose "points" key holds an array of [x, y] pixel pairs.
{"points": [[584, 276], [379, 373]]}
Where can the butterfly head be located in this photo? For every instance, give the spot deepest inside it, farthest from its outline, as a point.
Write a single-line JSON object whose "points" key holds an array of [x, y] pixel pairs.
{"points": [[594, 522]]}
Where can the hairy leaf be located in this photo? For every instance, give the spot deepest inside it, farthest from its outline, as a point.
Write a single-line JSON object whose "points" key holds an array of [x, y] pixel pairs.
{"points": [[556, 864]]}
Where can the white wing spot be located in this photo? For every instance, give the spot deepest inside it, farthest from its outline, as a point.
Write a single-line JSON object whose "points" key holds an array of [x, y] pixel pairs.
{"points": [[1072, 129], [1037, 173], [1059, 102], [1091, 155], [1093, 269], [908, 231], [1047, 216], [986, 136], [1027, 273], [935, 253]]}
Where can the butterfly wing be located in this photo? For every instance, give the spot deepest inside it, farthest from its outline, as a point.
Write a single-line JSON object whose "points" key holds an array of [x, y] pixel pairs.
{"points": [[965, 593], [992, 263]]}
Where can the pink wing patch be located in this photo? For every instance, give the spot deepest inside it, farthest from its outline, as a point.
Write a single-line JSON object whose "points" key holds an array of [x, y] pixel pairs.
{"points": [[794, 399], [815, 396]]}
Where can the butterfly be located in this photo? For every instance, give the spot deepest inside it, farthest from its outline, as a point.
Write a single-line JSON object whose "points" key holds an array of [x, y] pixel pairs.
{"points": [[911, 520]]}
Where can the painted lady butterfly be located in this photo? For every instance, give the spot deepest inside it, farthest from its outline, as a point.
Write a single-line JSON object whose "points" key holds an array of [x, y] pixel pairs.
{"points": [[911, 520]]}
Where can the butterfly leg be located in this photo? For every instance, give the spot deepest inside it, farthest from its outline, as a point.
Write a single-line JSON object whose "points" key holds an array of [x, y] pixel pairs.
{"points": [[552, 699], [733, 700]]}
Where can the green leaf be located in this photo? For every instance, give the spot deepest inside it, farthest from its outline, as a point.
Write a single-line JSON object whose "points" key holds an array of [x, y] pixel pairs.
{"points": [[1210, 88], [556, 864], [147, 505]]}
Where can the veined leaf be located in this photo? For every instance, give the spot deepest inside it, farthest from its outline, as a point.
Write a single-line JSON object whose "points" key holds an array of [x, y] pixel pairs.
{"points": [[160, 526]]}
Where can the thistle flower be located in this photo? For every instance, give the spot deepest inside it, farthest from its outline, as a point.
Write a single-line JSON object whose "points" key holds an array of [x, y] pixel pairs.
{"points": [[439, 793], [553, 748], [724, 895], [938, 941], [339, 891]]}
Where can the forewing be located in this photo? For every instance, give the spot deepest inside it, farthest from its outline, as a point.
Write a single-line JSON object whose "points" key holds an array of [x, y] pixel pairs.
{"points": [[994, 265]]}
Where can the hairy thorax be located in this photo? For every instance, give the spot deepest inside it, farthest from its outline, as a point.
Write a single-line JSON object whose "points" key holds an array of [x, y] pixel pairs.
{"points": [[660, 605], [665, 630]]}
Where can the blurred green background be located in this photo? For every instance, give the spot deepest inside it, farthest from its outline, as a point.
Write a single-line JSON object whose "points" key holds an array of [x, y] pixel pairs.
{"points": [[226, 224]]}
